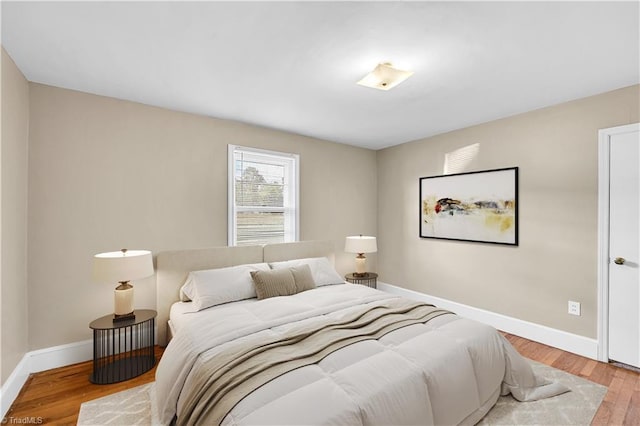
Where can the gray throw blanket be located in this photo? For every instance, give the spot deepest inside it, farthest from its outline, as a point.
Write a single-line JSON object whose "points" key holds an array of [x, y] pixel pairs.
{"points": [[227, 378]]}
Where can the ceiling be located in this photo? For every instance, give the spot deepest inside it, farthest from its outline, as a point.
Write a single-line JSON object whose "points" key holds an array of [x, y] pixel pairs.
{"points": [[293, 66]]}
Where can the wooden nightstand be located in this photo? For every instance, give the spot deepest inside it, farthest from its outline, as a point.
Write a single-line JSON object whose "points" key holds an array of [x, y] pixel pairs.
{"points": [[123, 350], [370, 279]]}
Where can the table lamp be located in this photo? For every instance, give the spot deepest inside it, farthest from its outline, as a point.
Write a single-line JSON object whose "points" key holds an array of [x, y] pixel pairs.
{"points": [[122, 267], [361, 245]]}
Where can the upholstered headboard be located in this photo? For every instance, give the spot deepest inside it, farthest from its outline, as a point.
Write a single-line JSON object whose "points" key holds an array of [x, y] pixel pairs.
{"points": [[300, 250], [174, 266]]}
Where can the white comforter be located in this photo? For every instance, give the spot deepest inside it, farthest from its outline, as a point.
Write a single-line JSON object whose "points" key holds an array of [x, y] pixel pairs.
{"points": [[449, 371]]}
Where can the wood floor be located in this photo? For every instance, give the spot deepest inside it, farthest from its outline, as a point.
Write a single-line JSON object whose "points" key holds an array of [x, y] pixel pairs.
{"points": [[621, 404], [55, 395]]}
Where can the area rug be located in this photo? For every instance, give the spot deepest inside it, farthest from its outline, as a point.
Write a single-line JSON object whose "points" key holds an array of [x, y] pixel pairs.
{"points": [[137, 406], [572, 408]]}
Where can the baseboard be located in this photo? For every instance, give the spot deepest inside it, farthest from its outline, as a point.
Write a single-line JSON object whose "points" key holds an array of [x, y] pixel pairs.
{"points": [[12, 386], [569, 342], [41, 360], [60, 356]]}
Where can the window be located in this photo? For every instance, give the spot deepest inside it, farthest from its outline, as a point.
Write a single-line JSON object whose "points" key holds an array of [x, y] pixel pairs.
{"points": [[263, 196]]}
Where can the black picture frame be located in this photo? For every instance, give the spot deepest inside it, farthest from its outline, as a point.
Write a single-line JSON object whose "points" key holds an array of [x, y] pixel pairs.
{"points": [[479, 206]]}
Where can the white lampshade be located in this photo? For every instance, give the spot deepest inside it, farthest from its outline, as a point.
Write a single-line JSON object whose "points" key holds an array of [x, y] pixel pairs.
{"points": [[360, 244], [122, 266]]}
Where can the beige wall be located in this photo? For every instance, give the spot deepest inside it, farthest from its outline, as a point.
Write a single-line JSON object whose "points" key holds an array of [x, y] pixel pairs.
{"points": [[556, 151], [13, 258], [106, 174]]}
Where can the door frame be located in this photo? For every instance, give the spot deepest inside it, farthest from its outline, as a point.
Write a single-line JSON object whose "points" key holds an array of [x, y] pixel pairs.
{"points": [[604, 143]]}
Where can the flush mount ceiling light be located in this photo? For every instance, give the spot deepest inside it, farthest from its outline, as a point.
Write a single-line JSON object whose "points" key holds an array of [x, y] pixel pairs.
{"points": [[385, 77]]}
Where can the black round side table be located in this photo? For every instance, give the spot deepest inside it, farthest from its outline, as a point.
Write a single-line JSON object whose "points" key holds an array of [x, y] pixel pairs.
{"points": [[123, 350], [370, 279]]}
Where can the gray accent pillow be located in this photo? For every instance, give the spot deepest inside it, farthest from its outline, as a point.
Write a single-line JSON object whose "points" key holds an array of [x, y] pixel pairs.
{"points": [[302, 277], [282, 282]]}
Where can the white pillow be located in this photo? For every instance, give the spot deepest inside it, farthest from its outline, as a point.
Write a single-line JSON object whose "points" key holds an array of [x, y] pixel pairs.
{"points": [[217, 286], [322, 271]]}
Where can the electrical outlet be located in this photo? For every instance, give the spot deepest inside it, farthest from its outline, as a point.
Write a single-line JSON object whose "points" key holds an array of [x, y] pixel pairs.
{"points": [[574, 308]]}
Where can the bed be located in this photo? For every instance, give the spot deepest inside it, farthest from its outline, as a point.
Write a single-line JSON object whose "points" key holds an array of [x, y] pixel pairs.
{"points": [[337, 353]]}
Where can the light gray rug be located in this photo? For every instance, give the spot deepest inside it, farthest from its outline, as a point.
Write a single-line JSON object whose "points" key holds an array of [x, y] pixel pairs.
{"points": [[137, 406], [571, 408]]}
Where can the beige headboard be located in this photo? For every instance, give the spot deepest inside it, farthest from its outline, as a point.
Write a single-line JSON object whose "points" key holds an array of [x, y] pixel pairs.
{"points": [[300, 250], [174, 266]]}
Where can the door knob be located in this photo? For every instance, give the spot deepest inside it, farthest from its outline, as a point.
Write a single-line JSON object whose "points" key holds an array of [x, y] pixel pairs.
{"points": [[619, 260]]}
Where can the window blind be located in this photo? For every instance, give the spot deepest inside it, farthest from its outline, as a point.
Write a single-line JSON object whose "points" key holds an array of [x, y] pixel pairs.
{"points": [[264, 197]]}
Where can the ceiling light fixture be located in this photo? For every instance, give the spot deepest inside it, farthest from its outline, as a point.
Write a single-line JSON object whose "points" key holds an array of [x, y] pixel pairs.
{"points": [[385, 77]]}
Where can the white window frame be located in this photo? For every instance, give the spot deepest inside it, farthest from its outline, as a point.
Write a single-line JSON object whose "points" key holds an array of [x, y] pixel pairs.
{"points": [[291, 197]]}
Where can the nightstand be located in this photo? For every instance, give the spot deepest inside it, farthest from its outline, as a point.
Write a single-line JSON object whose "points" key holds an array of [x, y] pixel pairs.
{"points": [[123, 350], [370, 279]]}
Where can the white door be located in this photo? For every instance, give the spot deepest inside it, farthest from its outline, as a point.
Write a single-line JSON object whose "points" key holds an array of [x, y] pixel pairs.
{"points": [[624, 245]]}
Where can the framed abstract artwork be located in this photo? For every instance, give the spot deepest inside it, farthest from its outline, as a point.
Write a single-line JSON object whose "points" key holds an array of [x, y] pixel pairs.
{"points": [[475, 206]]}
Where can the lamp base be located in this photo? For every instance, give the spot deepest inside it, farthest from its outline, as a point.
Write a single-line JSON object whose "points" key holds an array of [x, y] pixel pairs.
{"points": [[361, 264], [124, 317], [123, 302]]}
